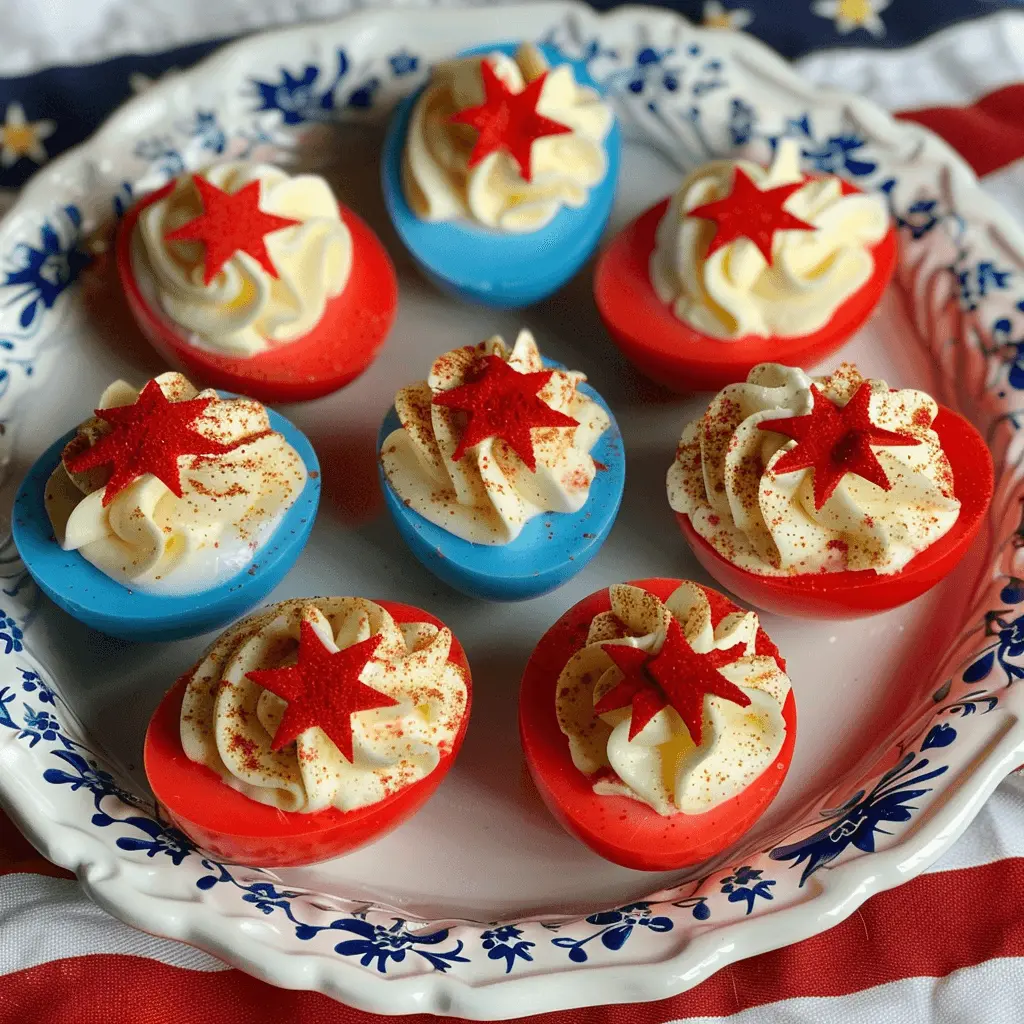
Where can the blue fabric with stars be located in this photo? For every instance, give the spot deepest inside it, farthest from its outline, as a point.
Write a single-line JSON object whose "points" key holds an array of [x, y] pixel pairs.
{"points": [[43, 114]]}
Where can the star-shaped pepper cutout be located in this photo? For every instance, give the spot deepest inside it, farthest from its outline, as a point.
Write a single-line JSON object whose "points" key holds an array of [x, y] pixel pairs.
{"points": [[231, 222], [834, 440], [749, 212], [148, 436], [508, 120], [677, 675], [501, 402], [323, 689]]}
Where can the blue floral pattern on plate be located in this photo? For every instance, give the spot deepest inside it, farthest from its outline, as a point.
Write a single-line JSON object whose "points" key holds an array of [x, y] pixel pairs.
{"points": [[864, 816], [39, 272], [745, 885], [614, 928]]}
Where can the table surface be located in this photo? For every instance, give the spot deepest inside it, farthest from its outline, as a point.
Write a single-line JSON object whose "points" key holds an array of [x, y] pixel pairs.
{"points": [[946, 947]]}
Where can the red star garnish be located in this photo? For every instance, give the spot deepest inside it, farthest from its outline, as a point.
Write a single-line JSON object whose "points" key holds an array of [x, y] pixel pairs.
{"points": [[677, 675], [148, 436], [231, 222], [749, 212], [834, 440], [508, 120], [323, 689], [501, 402]]}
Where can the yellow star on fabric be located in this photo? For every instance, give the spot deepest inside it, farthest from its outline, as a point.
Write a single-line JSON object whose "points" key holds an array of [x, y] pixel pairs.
{"points": [[850, 15], [22, 138], [716, 15]]}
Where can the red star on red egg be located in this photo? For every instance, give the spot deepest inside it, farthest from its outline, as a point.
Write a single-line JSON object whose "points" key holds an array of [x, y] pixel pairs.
{"points": [[231, 222], [323, 689], [677, 675], [501, 402], [508, 120], [148, 436], [834, 440], [749, 212]]}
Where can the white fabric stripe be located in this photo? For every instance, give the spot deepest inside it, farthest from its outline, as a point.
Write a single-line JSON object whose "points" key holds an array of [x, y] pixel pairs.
{"points": [[997, 985], [37, 35], [954, 67], [43, 919]]}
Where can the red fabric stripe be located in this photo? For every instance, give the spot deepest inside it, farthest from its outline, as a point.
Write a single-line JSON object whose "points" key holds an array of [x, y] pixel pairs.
{"points": [[18, 854], [933, 925], [988, 135]]}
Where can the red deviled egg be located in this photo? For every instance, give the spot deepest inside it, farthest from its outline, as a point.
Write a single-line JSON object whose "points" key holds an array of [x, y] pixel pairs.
{"points": [[742, 265], [309, 729], [828, 497], [658, 722], [257, 281]]}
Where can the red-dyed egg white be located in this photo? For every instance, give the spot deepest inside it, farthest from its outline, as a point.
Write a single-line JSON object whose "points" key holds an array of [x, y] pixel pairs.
{"points": [[675, 353], [233, 827], [338, 348], [617, 827]]}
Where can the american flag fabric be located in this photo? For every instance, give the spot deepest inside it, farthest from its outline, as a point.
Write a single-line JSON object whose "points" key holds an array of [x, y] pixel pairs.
{"points": [[947, 947]]}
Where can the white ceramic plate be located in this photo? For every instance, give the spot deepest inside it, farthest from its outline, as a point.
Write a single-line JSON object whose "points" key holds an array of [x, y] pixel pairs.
{"points": [[481, 906]]}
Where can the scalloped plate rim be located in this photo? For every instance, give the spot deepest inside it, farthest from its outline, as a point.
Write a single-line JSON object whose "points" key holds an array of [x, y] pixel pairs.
{"points": [[831, 894]]}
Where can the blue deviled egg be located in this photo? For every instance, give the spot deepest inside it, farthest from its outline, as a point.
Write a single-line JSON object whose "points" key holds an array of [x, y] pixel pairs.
{"points": [[503, 471], [170, 512], [500, 173]]}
